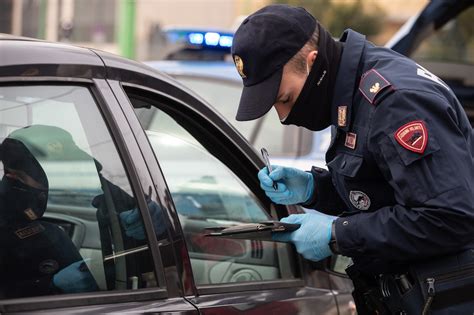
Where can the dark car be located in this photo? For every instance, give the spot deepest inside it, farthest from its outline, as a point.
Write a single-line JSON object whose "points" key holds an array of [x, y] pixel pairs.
{"points": [[137, 167]]}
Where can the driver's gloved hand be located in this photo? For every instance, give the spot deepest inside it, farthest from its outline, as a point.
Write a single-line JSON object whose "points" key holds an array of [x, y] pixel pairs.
{"points": [[75, 278], [312, 238], [294, 186], [133, 224]]}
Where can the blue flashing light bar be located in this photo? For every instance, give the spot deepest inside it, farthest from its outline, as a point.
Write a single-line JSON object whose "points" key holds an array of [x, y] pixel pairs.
{"points": [[201, 39], [212, 38], [226, 41], [196, 38]]}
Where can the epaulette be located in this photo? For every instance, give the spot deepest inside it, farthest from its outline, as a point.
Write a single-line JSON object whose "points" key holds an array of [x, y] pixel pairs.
{"points": [[371, 84]]}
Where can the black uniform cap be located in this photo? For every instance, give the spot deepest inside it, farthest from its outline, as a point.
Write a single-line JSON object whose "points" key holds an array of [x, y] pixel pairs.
{"points": [[262, 45]]}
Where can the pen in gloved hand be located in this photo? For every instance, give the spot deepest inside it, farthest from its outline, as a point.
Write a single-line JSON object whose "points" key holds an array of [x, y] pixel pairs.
{"points": [[269, 167]]}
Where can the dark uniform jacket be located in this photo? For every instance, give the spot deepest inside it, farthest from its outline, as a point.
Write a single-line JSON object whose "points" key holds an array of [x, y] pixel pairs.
{"points": [[401, 162]]}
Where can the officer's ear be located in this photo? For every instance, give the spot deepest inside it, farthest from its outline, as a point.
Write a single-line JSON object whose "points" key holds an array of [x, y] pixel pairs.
{"points": [[310, 59]]}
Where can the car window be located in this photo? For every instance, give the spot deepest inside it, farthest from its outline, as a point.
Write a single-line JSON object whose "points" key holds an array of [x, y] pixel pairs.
{"points": [[452, 43], [69, 221], [207, 193], [265, 132], [224, 96]]}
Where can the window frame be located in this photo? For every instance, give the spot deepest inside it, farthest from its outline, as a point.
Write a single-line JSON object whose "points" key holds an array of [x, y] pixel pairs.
{"points": [[118, 130], [179, 107]]}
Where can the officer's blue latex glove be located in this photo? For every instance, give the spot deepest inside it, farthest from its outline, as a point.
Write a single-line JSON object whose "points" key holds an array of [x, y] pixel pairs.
{"points": [[313, 236], [133, 224], [294, 186], [75, 278]]}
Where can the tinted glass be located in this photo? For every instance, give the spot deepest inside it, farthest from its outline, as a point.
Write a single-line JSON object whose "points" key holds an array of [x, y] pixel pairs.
{"points": [[69, 222]]}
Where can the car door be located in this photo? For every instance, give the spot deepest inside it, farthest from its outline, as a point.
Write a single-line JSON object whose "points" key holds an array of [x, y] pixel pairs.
{"points": [[76, 253], [210, 176]]}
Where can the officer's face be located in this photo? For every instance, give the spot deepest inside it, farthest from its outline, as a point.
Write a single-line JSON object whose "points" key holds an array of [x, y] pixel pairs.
{"points": [[290, 87], [292, 82]]}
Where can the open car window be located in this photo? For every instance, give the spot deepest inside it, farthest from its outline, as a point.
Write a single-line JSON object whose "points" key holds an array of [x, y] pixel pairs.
{"points": [[282, 141], [208, 192]]}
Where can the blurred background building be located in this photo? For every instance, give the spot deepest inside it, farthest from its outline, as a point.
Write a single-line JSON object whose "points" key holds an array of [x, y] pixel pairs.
{"points": [[133, 28]]}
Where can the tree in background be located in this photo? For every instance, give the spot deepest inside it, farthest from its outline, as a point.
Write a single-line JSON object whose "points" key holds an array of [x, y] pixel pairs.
{"points": [[336, 17]]}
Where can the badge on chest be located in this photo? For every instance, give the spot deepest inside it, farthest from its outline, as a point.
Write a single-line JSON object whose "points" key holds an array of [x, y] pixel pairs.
{"points": [[359, 199]]}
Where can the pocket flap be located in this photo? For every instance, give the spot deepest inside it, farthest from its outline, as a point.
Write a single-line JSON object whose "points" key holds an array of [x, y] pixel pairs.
{"points": [[346, 164]]}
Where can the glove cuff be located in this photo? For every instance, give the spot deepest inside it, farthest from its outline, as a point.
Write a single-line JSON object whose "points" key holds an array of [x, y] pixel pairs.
{"points": [[309, 187], [333, 240]]}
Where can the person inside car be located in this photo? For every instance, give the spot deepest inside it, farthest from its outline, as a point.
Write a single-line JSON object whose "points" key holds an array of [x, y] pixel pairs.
{"points": [[36, 257], [117, 211]]}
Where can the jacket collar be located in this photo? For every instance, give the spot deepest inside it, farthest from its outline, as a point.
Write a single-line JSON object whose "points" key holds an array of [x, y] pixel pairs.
{"points": [[354, 44]]}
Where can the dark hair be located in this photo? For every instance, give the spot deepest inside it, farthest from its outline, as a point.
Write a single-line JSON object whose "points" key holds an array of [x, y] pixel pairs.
{"points": [[298, 61]]}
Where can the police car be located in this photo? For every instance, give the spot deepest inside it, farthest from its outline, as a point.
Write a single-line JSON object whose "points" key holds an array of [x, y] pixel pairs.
{"points": [[427, 38]]}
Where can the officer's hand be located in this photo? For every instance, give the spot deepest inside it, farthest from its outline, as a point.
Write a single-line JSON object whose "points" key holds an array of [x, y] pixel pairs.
{"points": [[75, 278], [294, 186], [313, 236], [133, 224]]}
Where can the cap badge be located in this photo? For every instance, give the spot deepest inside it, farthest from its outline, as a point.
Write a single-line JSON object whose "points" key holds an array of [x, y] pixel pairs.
{"points": [[375, 88], [239, 64], [341, 116], [359, 199], [413, 136], [55, 147]]}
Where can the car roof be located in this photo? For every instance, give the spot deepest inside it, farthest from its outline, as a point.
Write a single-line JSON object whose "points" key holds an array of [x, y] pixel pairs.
{"points": [[4, 36], [23, 56], [24, 52], [219, 70]]}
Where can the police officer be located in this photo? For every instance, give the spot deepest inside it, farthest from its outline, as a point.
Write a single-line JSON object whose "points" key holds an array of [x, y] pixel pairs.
{"points": [[399, 192], [36, 256]]}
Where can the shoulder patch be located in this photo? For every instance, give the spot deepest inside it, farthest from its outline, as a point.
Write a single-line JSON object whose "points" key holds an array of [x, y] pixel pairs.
{"points": [[371, 84], [413, 136]]}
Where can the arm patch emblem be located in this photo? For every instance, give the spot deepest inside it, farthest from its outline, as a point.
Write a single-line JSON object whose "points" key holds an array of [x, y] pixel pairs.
{"points": [[413, 136]]}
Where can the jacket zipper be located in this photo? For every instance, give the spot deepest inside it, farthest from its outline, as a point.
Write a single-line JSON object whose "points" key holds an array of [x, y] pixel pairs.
{"points": [[431, 293], [430, 282]]}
